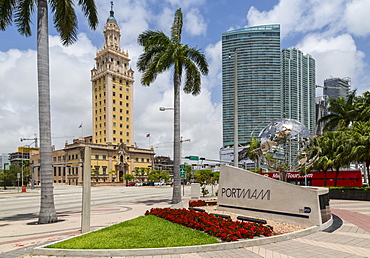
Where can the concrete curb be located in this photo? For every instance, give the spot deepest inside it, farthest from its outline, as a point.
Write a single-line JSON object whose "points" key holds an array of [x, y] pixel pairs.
{"points": [[169, 250]]}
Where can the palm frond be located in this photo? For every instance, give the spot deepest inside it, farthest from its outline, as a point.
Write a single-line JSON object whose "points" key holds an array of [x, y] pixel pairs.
{"points": [[65, 20], [6, 12], [176, 29], [89, 9], [192, 79], [23, 15], [199, 58], [150, 38]]}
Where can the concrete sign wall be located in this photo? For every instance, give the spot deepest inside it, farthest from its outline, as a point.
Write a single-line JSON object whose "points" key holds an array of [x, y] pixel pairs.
{"points": [[251, 194]]}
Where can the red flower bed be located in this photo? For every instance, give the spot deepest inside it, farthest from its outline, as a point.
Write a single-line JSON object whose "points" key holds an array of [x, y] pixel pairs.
{"points": [[199, 203], [225, 229]]}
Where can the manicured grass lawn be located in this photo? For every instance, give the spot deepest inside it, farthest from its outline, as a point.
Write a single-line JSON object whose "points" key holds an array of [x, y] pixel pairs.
{"points": [[142, 232]]}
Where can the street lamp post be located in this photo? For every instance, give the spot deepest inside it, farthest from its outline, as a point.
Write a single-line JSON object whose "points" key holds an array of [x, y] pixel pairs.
{"points": [[236, 136]]}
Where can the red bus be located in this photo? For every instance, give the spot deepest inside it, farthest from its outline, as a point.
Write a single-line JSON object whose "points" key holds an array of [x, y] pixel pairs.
{"points": [[345, 178]]}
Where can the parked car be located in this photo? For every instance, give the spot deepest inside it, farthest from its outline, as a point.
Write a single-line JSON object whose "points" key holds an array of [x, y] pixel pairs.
{"points": [[131, 184], [139, 184], [148, 183]]}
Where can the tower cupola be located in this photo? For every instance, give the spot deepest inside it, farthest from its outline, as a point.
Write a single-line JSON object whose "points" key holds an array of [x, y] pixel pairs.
{"points": [[112, 32]]}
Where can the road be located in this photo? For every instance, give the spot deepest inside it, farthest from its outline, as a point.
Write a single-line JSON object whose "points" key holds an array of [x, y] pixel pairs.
{"points": [[69, 198]]}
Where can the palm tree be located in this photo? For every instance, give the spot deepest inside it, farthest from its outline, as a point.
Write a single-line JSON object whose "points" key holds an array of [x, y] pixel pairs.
{"points": [[161, 53], [65, 21], [360, 135], [342, 112]]}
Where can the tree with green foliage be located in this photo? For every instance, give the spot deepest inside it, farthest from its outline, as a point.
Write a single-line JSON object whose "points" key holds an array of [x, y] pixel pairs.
{"points": [[253, 151], [128, 177], [159, 175], [360, 142], [160, 54], [342, 110], [206, 177], [95, 174], [65, 21]]}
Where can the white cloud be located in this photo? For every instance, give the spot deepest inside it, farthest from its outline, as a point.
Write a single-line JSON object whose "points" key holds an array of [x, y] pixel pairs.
{"points": [[194, 23], [335, 56], [186, 4], [357, 17]]}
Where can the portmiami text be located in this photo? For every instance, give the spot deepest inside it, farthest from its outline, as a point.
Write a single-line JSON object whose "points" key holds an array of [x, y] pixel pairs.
{"points": [[245, 193]]}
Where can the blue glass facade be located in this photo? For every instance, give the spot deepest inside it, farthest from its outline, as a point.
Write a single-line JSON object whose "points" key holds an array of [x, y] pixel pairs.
{"points": [[298, 87], [259, 80]]}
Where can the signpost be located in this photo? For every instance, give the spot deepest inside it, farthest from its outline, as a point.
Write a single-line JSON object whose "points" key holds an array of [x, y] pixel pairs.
{"points": [[183, 176], [182, 171], [193, 157]]}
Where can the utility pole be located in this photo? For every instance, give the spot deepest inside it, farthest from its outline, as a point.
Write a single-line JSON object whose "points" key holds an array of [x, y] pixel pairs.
{"points": [[86, 191]]}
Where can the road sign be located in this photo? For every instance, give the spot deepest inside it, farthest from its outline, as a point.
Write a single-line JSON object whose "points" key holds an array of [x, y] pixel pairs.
{"points": [[193, 158], [182, 171]]}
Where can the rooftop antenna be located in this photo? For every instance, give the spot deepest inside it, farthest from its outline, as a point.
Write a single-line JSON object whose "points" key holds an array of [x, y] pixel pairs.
{"points": [[111, 9]]}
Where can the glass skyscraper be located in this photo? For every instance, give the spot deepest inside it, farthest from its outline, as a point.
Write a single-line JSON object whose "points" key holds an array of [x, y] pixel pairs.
{"points": [[259, 80], [336, 87], [298, 87]]}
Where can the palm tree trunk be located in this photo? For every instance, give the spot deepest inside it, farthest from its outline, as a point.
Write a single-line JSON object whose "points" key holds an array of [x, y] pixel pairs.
{"points": [[367, 164], [176, 196], [324, 177], [47, 207], [336, 177]]}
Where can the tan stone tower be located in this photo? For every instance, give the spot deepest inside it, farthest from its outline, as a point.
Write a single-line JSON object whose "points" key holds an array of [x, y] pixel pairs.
{"points": [[112, 87]]}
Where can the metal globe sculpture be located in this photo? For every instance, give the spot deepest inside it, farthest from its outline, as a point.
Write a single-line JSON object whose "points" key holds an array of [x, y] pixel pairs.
{"points": [[281, 145]]}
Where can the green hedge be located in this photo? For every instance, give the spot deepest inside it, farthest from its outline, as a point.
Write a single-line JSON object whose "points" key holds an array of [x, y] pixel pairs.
{"points": [[365, 188]]}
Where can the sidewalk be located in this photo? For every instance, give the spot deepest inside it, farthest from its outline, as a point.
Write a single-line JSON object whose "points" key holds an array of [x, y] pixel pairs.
{"points": [[349, 236]]}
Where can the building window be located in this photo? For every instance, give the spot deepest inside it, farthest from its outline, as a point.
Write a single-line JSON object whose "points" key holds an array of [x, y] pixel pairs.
{"points": [[142, 160], [127, 126], [120, 95], [120, 110], [126, 104], [114, 131], [120, 88], [114, 94], [114, 109], [120, 133], [104, 157], [127, 134], [137, 160], [126, 97], [120, 118], [120, 125], [127, 119], [96, 156], [126, 112], [114, 116], [114, 139], [114, 101], [104, 170], [127, 90], [114, 124], [120, 103], [147, 160]]}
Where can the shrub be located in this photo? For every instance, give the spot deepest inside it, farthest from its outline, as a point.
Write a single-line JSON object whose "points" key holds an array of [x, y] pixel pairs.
{"points": [[225, 229], [199, 203]]}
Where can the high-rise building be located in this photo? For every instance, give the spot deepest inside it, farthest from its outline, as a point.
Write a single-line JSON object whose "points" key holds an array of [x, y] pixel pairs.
{"points": [[298, 87], [112, 85], [258, 76], [336, 87]]}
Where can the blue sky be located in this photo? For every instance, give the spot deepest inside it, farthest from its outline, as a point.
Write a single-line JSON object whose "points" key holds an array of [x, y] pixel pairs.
{"points": [[335, 33]]}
